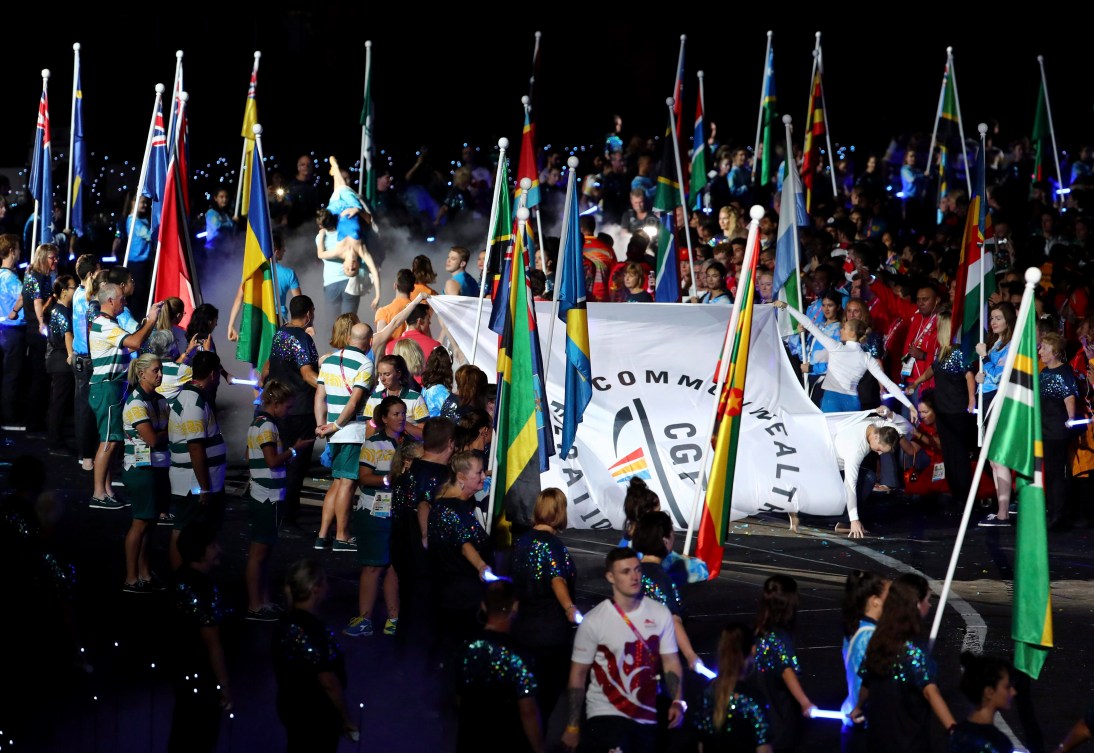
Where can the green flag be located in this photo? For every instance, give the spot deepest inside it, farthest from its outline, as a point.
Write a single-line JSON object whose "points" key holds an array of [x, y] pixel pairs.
{"points": [[771, 124], [1017, 444], [1040, 136]]}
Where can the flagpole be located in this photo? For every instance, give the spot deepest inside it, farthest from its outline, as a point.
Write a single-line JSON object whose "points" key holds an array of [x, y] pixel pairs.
{"points": [[787, 121], [683, 198], [827, 130], [503, 144], [1033, 276], [571, 163], [195, 282], [365, 139], [527, 103], [535, 58], [143, 177], [273, 256], [1051, 129], [175, 89], [983, 129], [723, 369], [72, 135], [37, 208], [243, 159], [960, 127], [763, 93]]}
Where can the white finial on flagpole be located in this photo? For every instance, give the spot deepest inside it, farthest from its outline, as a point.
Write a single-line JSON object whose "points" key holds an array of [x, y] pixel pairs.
{"points": [[368, 43], [525, 100], [257, 129], [787, 120], [257, 54], [756, 213], [178, 54], [76, 46], [683, 37], [818, 36], [572, 163], [522, 212], [503, 143], [770, 34], [525, 184], [949, 51], [1033, 276], [982, 128], [160, 88], [1040, 58], [669, 101], [184, 96], [45, 73], [539, 34]]}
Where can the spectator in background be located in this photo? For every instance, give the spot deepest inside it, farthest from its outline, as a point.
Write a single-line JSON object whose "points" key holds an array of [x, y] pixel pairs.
{"points": [[138, 262], [437, 380], [424, 276], [404, 284], [462, 283], [220, 228], [417, 323]]}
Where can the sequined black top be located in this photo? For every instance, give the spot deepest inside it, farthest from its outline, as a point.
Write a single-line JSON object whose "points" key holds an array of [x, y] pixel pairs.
{"points": [[452, 524], [491, 681], [745, 726], [292, 349], [538, 558], [303, 648], [970, 737], [951, 388], [1057, 384], [195, 604], [419, 484], [897, 713]]}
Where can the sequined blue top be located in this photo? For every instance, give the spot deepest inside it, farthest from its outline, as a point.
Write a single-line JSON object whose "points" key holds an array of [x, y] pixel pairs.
{"points": [[36, 287], [912, 667], [538, 558], [60, 322], [657, 585], [775, 652], [1057, 384], [745, 726]]}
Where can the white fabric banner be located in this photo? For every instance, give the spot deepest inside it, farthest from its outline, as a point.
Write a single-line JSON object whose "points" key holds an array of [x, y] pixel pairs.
{"points": [[653, 395]]}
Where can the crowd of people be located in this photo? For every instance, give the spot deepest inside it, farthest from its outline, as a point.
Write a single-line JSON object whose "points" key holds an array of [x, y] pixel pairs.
{"points": [[407, 433]]}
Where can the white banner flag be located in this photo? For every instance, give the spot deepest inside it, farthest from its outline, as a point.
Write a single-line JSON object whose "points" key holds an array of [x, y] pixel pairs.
{"points": [[653, 393]]}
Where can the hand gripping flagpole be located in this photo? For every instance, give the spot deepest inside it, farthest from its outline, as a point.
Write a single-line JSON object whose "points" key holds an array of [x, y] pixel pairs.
{"points": [[760, 118], [503, 144], [683, 199], [726, 354], [571, 163], [72, 134], [1033, 276], [142, 179], [1051, 129], [243, 159], [34, 226]]}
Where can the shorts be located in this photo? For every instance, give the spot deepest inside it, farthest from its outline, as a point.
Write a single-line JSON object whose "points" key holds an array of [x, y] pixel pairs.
{"points": [[188, 510], [149, 490], [106, 403], [345, 460], [263, 518], [373, 539]]}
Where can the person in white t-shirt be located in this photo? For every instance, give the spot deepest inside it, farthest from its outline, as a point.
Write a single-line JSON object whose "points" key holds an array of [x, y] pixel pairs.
{"points": [[629, 644]]}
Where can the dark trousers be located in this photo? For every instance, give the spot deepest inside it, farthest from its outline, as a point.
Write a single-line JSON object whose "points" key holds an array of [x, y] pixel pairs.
{"points": [[955, 433], [293, 428], [37, 382], [62, 388], [13, 351], [87, 435], [1055, 468], [601, 734]]}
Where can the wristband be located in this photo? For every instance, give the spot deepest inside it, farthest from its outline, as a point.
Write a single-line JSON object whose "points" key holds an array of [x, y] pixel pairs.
{"points": [[293, 451], [573, 728], [684, 704], [337, 425]]}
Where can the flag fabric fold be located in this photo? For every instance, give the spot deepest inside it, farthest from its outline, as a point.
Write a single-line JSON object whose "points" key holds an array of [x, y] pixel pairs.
{"points": [[525, 439], [573, 311], [1017, 444], [79, 161], [174, 262], [667, 196], [815, 129], [259, 322], [698, 158], [156, 182], [250, 118], [976, 262], [667, 275], [501, 249], [1040, 137], [41, 173], [528, 167], [792, 215], [770, 123], [368, 121], [714, 526], [949, 132]]}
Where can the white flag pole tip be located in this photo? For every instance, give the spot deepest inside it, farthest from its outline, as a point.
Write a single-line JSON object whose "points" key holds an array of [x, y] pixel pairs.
{"points": [[257, 54], [787, 120], [503, 143], [160, 88], [525, 100], [184, 96], [525, 184], [982, 128], [1033, 276], [45, 73], [76, 46], [572, 163], [1040, 58], [368, 43], [257, 128], [178, 54], [756, 213], [522, 212]]}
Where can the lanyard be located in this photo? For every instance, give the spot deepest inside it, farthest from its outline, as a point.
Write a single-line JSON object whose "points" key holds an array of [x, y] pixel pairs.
{"points": [[341, 358], [923, 328], [646, 654]]}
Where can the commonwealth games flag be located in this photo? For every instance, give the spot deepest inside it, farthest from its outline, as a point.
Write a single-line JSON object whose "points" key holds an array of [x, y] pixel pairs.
{"points": [[524, 435], [259, 322], [719, 497], [250, 117], [976, 263], [1017, 444], [571, 310], [79, 160]]}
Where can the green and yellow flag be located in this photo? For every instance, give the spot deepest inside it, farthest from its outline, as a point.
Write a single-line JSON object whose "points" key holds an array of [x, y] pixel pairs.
{"points": [[1041, 135], [259, 322], [250, 117], [1017, 444]]}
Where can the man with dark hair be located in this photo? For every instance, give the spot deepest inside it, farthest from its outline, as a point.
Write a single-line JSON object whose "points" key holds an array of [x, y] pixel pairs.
{"points": [[624, 636], [295, 361], [198, 669], [418, 322], [404, 285], [411, 501], [462, 283], [198, 452]]}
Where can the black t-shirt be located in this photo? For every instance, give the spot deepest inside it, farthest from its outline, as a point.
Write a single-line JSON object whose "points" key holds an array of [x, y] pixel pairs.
{"points": [[897, 713], [492, 678], [538, 558], [304, 647], [970, 737], [1056, 384], [419, 484], [951, 390], [293, 349], [36, 287]]}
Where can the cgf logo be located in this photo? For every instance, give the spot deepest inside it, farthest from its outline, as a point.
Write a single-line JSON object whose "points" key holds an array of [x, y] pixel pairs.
{"points": [[643, 461]]}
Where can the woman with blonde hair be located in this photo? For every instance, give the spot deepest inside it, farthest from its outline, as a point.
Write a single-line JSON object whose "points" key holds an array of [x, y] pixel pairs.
{"points": [[412, 354], [170, 320], [37, 297], [145, 467], [545, 580]]}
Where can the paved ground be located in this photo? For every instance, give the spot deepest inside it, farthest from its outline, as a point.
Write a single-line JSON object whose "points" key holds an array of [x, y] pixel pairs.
{"points": [[124, 705]]}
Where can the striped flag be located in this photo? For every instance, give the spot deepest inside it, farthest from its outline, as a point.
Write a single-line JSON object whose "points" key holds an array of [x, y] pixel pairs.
{"points": [[976, 262], [948, 132], [175, 275], [792, 215], [815, 127], [698, 157], [1017, 444], [528, 168], [719, 498], [250, 117], [524, 435], [501, 249], [667, 275], [770, 123], [368, 145], [667, 196], [259, 321], [79, 159], [572, 310], [41, 173], [155, 185]]}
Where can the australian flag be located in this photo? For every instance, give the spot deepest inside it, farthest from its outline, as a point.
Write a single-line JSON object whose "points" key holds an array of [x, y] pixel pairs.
{"points": [[41, 174]]}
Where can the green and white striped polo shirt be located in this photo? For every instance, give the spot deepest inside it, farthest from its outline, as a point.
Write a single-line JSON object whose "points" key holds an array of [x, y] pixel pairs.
{"points": [[340, 374], [416, 409], [267, 484], [175, 377], [192, 420], [109, 358], [139, 408]]}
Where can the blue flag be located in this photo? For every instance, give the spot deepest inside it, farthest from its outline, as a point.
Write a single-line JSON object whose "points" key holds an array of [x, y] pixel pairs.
{"points": [[792, 215], [79, 161], [41, 174], [156, 170], [572, 310]]}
